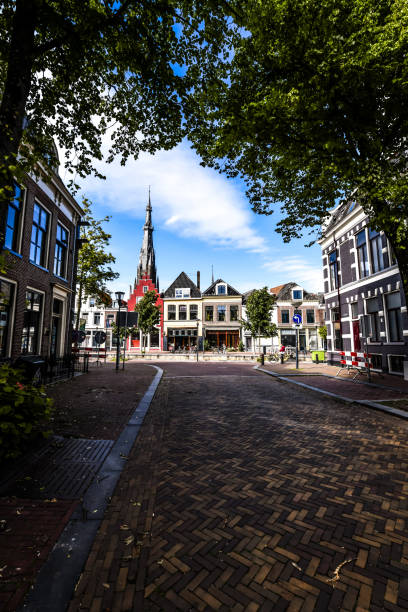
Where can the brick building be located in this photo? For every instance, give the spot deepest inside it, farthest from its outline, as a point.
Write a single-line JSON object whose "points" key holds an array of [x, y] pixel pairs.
{"points": [[37, 291], [361, 277]]}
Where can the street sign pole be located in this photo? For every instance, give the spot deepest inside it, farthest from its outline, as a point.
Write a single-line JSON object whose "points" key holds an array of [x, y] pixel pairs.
{"points": [[297, 348]]}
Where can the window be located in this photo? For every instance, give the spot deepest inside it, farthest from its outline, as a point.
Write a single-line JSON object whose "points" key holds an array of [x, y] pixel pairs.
{"points": [[334, 275], [376, 250], [396, 363], [171, 312], [376, 361], [285, 316], [335, 314], [109, 320], [61, 250], [193, 312], [362, 255], [221, 289], [31, 323], [298, 312], [38, 248], [182, 293], [6, 304], [233, 313], [97, 318], [310, 316], [354, 310], [145, 288], [13, 220], [373, 306], [91, 302], [393, 303], [221, 312], [297, 294], [182, 312], [209, 313]]}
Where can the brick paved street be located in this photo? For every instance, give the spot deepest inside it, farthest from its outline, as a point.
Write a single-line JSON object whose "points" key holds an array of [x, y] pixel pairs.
{"points": [[244, 492]]}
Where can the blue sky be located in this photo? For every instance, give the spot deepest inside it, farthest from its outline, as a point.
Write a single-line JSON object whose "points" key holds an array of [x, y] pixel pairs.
{"points": [[201, 219]]}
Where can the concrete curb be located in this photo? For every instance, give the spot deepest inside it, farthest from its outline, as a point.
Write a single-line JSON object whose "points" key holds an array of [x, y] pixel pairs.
{"points": [[57, 578], [348, 400]]}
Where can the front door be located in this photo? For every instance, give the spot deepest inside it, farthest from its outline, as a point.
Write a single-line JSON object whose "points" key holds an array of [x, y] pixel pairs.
{"points": [[356, 335]]}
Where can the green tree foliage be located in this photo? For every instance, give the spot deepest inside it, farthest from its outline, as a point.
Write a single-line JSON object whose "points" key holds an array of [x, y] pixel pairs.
{"points": [[93, 269], [259, 307], [149, 315], [312, 106], [75, 70], [24, 412]]}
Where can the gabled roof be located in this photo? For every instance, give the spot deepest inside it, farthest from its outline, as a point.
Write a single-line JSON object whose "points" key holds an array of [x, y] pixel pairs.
{"points": [[211, 288], [182, 282], [284, 293]]}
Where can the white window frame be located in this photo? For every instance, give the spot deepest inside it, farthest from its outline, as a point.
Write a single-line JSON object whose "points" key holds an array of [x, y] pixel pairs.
{"points": [[301, 294], [23, 187], [12, 314], [41, 327], [217, 289], [145, 288], [67, 253], [182, 292], [47, 238]]}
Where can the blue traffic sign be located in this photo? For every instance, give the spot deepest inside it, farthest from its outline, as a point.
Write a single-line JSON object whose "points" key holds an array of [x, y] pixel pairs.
{"points": [[297, 319]]}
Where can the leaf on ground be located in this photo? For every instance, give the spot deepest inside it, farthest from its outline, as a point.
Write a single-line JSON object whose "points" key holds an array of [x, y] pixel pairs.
{"points": [[129, 540], [336, 573]]}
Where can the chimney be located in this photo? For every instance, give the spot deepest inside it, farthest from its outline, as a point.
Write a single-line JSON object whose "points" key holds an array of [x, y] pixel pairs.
{"points": [[198, 279], [130, 290]]}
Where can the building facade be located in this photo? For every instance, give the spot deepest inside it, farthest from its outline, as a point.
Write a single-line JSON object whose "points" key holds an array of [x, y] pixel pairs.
{"points": [[37, 291], [182, 325], [365, 304], [221, 315]]}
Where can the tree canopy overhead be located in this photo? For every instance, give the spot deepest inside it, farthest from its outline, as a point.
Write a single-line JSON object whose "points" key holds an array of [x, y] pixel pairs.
{"points": [[312, 106], [71, 70]]}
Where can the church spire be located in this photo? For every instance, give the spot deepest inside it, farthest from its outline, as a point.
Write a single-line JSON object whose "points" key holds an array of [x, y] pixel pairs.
{"points": [[147, 264]]}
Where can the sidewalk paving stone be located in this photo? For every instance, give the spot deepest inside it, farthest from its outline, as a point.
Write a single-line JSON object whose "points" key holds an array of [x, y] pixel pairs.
{"points": [[41, 490]]}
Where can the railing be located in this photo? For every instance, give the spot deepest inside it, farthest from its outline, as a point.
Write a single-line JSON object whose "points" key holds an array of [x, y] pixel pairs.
{"points": [[61, 368]]}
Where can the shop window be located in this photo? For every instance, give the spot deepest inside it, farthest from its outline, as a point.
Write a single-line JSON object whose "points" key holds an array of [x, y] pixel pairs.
{"points": [[376, 250], [39, 236], [393, 304], [171, 312], [334, 275], [396, 363], [233, 313], [182, 312], [285, 316], [61, 250], [209, 313], [6, 305], [362, 255], [193, 312], [310, 316], [30, 340], [221, 310], [14, 220]]}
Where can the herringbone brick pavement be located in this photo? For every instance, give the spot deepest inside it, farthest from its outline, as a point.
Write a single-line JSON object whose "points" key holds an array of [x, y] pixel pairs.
{"points": [[244, 493]]}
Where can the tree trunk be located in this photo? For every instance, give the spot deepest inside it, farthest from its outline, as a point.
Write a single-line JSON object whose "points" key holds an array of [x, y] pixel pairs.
{"points": [[80, 291], [15, 94]]}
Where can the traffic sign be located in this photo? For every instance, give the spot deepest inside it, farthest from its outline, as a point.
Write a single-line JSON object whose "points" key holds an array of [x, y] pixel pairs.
{"points": [[297, 318], [100, 337]]}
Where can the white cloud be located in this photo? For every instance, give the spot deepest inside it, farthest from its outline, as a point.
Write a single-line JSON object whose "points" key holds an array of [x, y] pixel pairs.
{"points": [[295, 269], [188, 199]]}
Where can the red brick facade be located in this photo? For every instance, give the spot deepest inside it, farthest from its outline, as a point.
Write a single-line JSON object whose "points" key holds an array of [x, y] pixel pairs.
{"points": [[145, 284]]}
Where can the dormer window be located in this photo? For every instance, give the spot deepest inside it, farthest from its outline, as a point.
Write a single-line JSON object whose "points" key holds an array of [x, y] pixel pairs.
{"points": [[221, 289], [182, 293], [297, 294]]}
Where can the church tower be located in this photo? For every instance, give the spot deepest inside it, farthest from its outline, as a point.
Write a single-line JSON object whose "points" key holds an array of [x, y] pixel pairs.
{"points": [[147, 260]]}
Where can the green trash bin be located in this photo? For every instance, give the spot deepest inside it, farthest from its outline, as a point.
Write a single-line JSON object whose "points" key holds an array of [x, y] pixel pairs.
{"points": [[317, 356]]}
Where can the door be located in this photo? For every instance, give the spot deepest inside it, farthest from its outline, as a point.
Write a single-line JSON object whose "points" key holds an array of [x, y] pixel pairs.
{"points": [[356, 335]]}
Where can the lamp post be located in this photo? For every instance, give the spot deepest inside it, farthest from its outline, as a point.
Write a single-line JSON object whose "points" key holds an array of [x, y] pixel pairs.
{"points": [[198, 325], [119, 296]]}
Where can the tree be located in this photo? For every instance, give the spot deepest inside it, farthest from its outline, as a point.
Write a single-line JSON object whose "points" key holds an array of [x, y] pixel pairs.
{"points": [[76, 70], [93, 269], [149, 315], [312, 108], [259, 308], [322, 331]]}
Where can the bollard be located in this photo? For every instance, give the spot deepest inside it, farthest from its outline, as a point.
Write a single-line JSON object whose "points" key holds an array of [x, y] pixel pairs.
{"points": [[262, 359], [317, 358], [281, 358]]}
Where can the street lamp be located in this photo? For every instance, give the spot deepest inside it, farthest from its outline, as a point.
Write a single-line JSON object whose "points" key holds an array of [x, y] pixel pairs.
{"points": [[119, 296], [198, 325]]}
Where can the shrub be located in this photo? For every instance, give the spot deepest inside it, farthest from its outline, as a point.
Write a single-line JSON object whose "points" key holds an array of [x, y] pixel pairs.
{"points": [[241, 346], [24, 412]]}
